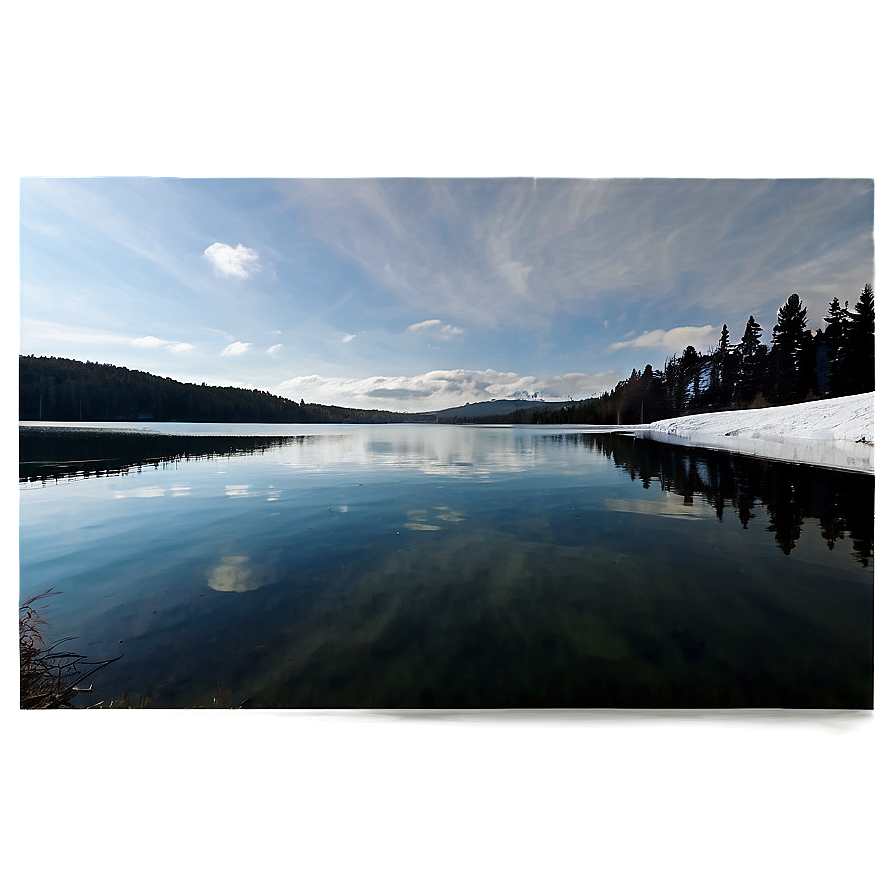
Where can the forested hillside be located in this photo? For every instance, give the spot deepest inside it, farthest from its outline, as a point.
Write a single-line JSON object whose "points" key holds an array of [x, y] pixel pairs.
{"points": [[798, 365], [65, 390]]}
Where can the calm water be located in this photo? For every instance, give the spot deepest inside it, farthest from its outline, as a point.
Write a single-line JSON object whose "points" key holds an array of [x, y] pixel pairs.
{"points": [[438, 566]]}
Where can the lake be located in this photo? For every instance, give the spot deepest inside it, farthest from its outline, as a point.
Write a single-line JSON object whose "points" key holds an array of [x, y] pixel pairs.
{"points": [[426, 566]]}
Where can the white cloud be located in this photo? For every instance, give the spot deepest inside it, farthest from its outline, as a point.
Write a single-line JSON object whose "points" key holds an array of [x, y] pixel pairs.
{"points": [[674, 340], [232, 261], [446, 331], [439, 389], [148, 342], [154, 342], [274, 349], [236, 348], [348, 337], [577, 385]]}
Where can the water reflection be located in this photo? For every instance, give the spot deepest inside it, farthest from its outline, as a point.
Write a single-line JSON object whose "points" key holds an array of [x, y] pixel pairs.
{"points": [[462, 452], [464, 567], [238, 574], [53, 453], [651, 508], [424, 520], [841, 503]]}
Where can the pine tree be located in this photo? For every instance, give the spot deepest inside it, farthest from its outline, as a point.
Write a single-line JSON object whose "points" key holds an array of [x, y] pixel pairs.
{"points": [[751, 354], [858, 349], [835, 338], [724, 340], [727, 363], [673, 376], [792, 367], [691, 367]]}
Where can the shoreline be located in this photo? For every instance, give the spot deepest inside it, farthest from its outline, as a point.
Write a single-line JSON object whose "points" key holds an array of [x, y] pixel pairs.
{"points": [[832, 432]]}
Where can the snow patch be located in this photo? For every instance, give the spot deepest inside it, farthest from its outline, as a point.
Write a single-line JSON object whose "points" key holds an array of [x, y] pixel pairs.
{"points": [[833, 432]]}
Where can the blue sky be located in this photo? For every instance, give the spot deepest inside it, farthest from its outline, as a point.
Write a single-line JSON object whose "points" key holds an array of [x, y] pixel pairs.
{"points": [[420, 294]]}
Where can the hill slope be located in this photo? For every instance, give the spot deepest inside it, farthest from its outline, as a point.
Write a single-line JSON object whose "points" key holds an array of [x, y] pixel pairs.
{"points": [[65, 390], [497, 407]]}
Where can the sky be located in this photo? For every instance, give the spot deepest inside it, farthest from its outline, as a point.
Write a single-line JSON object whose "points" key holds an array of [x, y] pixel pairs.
{"points": [[421, 294]]}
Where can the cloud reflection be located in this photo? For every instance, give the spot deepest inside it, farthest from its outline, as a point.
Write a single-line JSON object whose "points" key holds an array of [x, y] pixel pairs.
{"points": [[237, 574], [665, 507]]}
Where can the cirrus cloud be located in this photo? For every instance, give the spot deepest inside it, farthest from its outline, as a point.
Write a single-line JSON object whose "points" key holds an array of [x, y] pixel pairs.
{"points": [[232, 261]]}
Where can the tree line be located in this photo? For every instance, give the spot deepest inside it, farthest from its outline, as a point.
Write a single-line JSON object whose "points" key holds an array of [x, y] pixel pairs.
{"points": [[798, 365], [67, 390], [841, 504]]}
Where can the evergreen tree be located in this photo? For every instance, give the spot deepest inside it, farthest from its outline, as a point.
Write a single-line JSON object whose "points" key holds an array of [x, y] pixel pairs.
{"points": [[725, 340], [673, 375], [725, 365], [835, 339], [751, 354], [858, 349], [691, 368], [792, 367]]}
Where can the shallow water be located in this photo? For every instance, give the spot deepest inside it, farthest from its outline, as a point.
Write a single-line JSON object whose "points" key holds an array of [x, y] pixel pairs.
{"points": [[440, 566]]}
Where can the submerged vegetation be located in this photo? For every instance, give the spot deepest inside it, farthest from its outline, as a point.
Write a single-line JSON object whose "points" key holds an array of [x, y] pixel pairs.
{"points": [[53, 453]]}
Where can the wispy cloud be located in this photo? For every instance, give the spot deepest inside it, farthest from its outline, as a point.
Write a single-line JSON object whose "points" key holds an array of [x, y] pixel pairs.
{"points": [[55, 332], [179, 348], [348, 337], [232, 261], [92, 212], [424, 325], [445, 331], [236, 348], [516, 273], [274, 349], [674, 340], [500, 250]]}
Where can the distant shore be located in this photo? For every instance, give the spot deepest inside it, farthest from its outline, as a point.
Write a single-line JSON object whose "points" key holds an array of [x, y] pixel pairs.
{"points": [[832, 432]]}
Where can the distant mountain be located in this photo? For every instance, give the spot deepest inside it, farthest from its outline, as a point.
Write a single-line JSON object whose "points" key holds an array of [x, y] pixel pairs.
{"points": [[497, 407]]}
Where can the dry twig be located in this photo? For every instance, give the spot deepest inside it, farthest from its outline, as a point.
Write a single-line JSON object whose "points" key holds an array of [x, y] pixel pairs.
{"points": [[49, 677]]}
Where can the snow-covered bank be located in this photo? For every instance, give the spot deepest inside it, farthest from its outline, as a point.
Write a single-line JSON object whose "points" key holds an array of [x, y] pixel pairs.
{"points": [[833, 432]]}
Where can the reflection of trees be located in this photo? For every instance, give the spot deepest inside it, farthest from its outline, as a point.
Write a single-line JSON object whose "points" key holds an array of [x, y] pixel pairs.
{"points": [[841, 503], [58, 453]]}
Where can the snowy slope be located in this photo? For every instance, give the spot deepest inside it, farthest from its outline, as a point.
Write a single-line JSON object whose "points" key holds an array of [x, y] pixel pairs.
{"points": [[833, 432]]}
